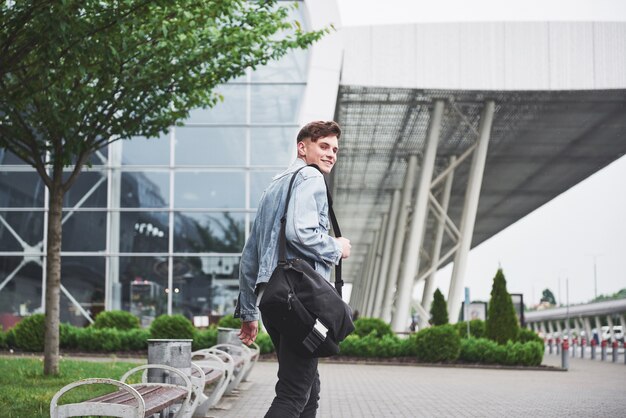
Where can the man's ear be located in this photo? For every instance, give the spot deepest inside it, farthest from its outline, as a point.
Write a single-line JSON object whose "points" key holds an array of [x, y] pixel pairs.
{"points": [[301, 149]]}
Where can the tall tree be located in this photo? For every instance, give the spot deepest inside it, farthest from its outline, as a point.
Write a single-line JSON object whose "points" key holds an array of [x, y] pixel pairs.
{"points": [[439, 309], [548, 296], [76, 75], [502, 324]]}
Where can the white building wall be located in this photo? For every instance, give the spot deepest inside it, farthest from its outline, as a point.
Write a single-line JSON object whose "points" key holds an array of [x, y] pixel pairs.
{"points": [[487, 56]]}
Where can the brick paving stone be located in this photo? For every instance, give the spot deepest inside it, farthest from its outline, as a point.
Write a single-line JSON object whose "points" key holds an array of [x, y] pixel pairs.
{"points": [[589, 388]]}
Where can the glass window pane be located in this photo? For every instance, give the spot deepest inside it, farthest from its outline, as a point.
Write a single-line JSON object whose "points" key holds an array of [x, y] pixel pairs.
{"points": [[21, 296], [145, 190], [21, 190], [142, 287], [231, 110], [26, 228], [209, 232], [276, 103], [142, 232], [8, 158], [210, 146], [209, 190], [206, 286], [259, 181], [273, 146], [84, 231], [290, 68], [83, 278], [143, 151], [93, 184]]}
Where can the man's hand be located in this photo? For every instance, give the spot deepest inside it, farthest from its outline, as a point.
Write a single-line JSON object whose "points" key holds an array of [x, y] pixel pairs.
{"points": [[248, 332], [345, 247]]}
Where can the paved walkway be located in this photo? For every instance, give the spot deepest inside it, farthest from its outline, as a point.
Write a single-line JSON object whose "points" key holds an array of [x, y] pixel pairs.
{"points": [[589, 388]]}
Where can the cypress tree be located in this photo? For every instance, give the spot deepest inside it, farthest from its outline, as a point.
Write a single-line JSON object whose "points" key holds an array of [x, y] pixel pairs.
{"points": [[502, 324], [438, 310]]}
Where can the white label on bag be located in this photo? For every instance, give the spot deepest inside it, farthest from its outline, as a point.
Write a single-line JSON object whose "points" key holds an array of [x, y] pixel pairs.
{"points": [[320, 328]]}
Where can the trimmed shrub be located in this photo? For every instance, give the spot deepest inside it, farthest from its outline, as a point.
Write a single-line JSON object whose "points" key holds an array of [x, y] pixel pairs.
{"points": [[357, 346], [99, 340], [121, 320], [265, 343], [438, 344], [502, 324], [477, 328], [3, 340], [439, 309], [476, 350], [482, 350], [204, 338], [134, 339], [68, 336], [525, 335], [172, 326], [229, 321], [10, 338], [30, 332], [365, 326]]}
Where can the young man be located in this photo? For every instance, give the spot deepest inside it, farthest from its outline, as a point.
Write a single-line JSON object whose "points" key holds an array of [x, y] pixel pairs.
{"points": [[307, 225]]}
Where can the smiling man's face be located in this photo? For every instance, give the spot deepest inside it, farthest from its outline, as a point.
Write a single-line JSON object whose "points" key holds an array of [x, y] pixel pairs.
{"points": [[322, 152]]}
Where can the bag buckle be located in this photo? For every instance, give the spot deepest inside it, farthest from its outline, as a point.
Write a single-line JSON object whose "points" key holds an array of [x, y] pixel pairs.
{"points": [[316, 336]]}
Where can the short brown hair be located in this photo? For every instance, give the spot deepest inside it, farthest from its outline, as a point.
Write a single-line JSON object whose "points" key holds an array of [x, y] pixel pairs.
{"points": [[319, 129]]}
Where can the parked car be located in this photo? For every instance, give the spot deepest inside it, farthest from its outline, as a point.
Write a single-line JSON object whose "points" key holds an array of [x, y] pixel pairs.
{"points": [[618, 332]]}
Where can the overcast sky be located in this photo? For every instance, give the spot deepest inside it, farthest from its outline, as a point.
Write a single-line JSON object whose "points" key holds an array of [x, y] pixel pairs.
{"points": [[559, 241]]}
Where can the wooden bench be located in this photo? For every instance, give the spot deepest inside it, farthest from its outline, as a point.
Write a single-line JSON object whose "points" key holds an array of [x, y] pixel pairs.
{"points": [[138, 400], [242, 361], [210, 377]]}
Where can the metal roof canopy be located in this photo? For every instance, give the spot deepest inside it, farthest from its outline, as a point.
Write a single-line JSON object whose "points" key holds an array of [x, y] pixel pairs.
{"points": [[542, 143]]}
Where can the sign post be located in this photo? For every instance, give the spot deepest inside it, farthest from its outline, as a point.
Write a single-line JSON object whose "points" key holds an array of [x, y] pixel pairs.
{"points": [[466, 313]]}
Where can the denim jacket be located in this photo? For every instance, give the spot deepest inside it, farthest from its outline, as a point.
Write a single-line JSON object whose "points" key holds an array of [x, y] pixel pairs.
{"points": [[306, 232]]}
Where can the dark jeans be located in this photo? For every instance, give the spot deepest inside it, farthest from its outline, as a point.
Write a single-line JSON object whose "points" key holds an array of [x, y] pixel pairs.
{"points": [[298, 387]]}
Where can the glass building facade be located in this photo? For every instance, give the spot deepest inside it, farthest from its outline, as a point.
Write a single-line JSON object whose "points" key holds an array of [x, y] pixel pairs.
{"points": [[156, 225]]}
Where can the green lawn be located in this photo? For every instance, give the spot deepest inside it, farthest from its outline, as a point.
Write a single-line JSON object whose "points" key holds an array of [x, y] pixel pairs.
{"points": [[26, 393]]}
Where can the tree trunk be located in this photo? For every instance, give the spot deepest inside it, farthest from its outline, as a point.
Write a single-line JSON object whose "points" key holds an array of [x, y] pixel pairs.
{"points": [[53, 276]]}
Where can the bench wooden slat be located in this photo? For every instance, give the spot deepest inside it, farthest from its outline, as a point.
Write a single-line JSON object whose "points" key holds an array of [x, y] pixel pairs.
{"points": [[156, 398]]}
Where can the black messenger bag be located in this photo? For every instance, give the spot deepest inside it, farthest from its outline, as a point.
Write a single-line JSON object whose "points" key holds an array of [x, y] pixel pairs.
{"points": [[305, 308]]}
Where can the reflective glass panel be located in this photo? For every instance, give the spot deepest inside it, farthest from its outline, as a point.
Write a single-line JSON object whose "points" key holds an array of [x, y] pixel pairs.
{"points": [[8, 158], [145, 189], [273, 146], [83, 278], [209, 190], [209, 232], [259, 180], [24, 227], [21, 190], [210, 146], [231, 110], [90, 184], [142, 151], [84, 231], [142, 287], [290, 68], [142, 232], [276, 103], [206, 286], [21, 296]]}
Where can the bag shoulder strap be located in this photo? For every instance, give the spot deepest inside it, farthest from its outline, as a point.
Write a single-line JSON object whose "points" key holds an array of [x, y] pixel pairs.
{"points": [[282, 239]]}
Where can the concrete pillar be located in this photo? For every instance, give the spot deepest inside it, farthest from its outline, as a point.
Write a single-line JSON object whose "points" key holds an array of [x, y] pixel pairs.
{"points": [[369, 266], [383, 275], [429, 284], [588, 333], [113, 292], [377, 265], [418, 222], [468, 218], [398, 243]]}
